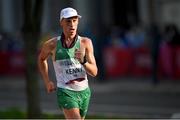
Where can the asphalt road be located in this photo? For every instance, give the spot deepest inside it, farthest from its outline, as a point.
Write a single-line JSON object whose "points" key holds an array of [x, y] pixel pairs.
{"points": [[136, 99]]}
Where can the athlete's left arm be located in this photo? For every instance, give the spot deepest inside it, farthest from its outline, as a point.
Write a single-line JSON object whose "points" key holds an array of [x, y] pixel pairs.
{"points": [[90, 66]]}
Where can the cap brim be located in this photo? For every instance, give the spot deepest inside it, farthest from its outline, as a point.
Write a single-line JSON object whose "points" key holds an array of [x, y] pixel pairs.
{"points": [[72, 16]]}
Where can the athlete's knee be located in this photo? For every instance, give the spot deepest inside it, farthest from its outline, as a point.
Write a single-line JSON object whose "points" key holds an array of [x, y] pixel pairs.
{"points": [[72, 114], [82, 118]]}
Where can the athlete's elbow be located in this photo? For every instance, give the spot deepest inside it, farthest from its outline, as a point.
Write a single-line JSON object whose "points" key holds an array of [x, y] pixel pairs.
{"points": [[41, 59], [94, 73]]}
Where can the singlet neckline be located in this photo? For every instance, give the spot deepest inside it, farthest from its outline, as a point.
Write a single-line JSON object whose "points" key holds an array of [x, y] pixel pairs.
{"points": [[64, 45]]}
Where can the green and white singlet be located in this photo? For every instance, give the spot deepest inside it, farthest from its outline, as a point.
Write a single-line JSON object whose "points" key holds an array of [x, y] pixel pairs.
{"points": [[67, 68]]}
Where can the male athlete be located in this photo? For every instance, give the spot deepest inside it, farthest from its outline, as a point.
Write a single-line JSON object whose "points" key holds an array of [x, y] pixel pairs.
{"points": [[73, 59]]}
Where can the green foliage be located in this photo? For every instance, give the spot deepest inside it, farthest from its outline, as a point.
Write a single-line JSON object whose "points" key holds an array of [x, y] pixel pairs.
{"points": [[15, 113], [12, 113]]}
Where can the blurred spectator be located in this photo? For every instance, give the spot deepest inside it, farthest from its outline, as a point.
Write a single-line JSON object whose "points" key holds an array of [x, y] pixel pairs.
{"points": [[155, 38], [117, 37], [135, 37], [18, 42], [11, 50], [171, 35], [171, 40], [10, 43], [6, 42]]}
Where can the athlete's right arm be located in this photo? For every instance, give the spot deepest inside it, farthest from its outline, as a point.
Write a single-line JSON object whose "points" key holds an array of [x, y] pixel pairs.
{"points": [[45, 52]]}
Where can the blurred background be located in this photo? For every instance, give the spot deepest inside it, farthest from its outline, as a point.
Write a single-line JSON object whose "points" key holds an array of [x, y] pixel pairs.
{"points": [[136, 46]]}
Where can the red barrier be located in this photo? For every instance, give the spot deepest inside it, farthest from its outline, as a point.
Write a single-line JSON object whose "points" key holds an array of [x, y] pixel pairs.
{"points": [[117, 61], [17, 64], [177, 63], [166, 60], [170, 61], [4, 62], [138, 62], [142, 65], [12, 63]]}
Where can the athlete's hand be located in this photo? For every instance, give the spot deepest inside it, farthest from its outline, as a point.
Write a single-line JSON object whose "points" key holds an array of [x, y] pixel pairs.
{"points": [[50, 87], [79, 55]]}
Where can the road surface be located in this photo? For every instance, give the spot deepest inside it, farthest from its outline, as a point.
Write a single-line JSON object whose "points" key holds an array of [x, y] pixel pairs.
{"points": [[121, 97]]}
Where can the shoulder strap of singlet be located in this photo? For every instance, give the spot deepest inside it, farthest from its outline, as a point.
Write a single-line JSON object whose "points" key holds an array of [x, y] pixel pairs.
{"points": [[78, 41], [58, 45], [59, 38]]}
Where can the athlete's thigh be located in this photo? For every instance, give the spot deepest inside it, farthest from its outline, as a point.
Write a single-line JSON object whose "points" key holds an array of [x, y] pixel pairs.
{"points": [[67, 99], [85, 98], [72, 113]]}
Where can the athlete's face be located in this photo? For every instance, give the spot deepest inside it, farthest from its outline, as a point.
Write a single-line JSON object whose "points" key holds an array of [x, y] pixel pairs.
{"points": [[69, 26]]}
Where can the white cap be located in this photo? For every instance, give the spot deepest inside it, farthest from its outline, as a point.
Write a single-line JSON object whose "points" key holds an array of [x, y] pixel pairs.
{"points": [[68, 12]]}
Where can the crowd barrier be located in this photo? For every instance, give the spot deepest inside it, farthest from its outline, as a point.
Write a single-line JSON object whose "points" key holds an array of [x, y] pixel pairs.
{"points": [[138, 62], [12, 63], [177, 71], [118, 62]]}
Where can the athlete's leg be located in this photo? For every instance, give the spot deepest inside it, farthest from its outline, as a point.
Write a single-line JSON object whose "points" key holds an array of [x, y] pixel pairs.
{"points": [[72, 113], [85, 98], [82, 118]]}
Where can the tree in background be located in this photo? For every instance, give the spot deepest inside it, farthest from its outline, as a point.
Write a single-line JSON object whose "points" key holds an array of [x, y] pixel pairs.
{"points": [[32, 11]]}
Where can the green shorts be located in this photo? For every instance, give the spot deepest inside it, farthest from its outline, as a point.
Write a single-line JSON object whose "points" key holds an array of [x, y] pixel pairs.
{"points": [[68, 99]]}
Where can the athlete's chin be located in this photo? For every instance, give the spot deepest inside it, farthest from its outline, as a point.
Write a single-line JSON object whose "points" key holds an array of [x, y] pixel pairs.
{"points": [[72, 35]]}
